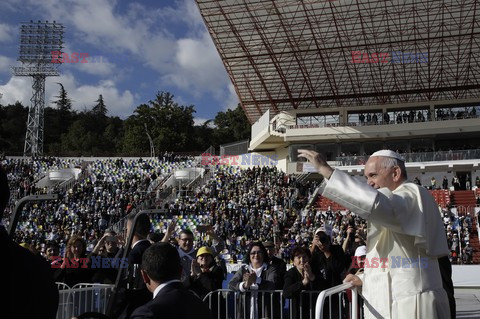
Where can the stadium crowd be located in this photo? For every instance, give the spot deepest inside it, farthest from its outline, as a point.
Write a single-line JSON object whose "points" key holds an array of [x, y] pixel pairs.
{"points": [[259, 208], [261, 203]]}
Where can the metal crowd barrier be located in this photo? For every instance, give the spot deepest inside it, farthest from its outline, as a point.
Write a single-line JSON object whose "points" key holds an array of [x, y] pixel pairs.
{"points": [[82, 298], [229, 304], [337, 307]]}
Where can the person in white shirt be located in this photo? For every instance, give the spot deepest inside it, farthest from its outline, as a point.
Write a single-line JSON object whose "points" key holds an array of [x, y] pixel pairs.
{"points": [[404, 227], [256, 275]]}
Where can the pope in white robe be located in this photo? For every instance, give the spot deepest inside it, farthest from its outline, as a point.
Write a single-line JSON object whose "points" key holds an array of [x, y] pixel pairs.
{"points": [[405, 237]]}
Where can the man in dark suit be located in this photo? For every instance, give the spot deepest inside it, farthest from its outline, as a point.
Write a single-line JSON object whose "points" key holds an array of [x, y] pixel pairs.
{"points": [[161, 271], [28, 287], [140, 243], [133, 292]]}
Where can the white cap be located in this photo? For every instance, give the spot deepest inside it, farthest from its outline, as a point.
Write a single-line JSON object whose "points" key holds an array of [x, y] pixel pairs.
{"points": [[389, 153], [361, 251], [327, 229]]}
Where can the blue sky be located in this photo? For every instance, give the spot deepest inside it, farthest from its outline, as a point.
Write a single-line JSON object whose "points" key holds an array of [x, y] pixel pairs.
{"points": [[140, 47]]}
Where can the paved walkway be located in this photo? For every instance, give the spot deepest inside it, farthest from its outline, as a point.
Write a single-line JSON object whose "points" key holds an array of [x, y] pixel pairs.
{"points": [[468, 303]]}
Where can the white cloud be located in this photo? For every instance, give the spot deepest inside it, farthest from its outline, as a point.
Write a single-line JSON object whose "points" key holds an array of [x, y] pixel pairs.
{"points": [[17, 89], [7, 32], [83, 96], [191, 63], [197, 66], [5, 64], [101, 68], [232, 98]]}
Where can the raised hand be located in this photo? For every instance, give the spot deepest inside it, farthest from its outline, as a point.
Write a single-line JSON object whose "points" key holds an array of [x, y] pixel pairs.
{"points": [[318, 161], [307, 272], [195, 268], [249, 278], [171, 227]]}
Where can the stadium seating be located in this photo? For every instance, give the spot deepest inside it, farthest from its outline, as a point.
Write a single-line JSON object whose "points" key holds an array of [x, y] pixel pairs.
{"points": [[442, 197]]}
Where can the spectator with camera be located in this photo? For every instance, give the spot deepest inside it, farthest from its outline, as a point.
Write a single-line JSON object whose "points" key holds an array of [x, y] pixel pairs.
{"points": [[107, 247]]}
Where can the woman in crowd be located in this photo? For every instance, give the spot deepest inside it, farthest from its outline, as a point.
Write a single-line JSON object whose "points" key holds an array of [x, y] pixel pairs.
{"points": [[74, 268], [301, 278], [251, 278]]}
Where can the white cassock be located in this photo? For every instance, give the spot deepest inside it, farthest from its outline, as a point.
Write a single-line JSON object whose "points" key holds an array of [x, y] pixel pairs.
{"points": [[405, 227]]}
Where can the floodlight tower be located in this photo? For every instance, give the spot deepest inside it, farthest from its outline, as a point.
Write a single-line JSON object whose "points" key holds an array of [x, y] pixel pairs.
{"points": [[37, 42]]}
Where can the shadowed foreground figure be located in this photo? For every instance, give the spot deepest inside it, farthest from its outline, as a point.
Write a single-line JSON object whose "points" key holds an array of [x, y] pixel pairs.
{"points": [[404, 225], [28, 287]]}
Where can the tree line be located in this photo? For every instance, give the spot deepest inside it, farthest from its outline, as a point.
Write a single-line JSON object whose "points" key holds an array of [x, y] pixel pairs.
{"points": [[92, 132]]}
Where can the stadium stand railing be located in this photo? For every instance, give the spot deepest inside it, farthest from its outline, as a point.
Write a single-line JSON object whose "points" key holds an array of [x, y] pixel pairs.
{"points": [[416, 157]]}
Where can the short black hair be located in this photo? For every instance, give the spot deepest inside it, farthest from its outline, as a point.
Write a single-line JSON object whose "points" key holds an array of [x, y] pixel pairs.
{"points": [[155, 237], [143, 225], [161, 262], [266, 258], [4, 191], [186, 232], [300, 250]]}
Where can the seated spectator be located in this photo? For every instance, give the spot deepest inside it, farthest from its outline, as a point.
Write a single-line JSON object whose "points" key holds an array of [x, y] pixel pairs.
{"points": [[205, 274], [256, 275], [161, 269], [301, 278]]}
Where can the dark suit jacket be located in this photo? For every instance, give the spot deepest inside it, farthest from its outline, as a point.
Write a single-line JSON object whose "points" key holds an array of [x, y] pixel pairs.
{"points": [[174, 301], [135, 255], [135, 258], [137, 294]]}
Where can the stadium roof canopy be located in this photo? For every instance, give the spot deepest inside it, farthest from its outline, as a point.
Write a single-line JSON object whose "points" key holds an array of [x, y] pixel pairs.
{"points": [[294, 54]]}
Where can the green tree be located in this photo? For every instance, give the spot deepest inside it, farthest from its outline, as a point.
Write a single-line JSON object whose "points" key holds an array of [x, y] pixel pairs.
{"points": [[13, 125], [64, 104], [79, 140], [231, 126], [170, 126], [59, 121], [100, 109]]}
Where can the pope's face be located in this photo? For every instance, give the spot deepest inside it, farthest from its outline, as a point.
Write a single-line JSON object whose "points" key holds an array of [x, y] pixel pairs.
{"points": [[378, 176]]}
